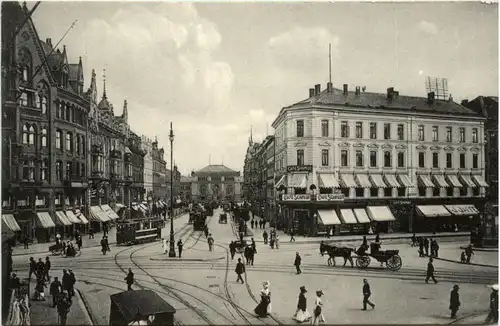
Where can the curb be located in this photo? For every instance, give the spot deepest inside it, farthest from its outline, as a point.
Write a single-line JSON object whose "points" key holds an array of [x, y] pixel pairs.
{"points": [[469, 319], [87, 310], [186, 259], [481, 249], [458, 262]]}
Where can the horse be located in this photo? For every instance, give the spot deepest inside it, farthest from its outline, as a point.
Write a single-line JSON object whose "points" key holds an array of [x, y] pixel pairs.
{"points": [[334, 251]]}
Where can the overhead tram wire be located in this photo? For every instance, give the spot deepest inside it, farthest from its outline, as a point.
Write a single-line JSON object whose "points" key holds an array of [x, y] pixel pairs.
{"points": [[23, 23], [46, 57]]}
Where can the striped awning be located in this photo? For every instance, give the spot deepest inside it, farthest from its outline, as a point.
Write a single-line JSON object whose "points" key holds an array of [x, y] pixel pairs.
{"points": [[348, 216], [361, 215], [467, 181], [347, 181], [159, 204], [433, 210], [363, 181], [11, 222], [453, 180], [98, 215], [62, 219], [391, 180], [440, 181], [426, 181], [298, 180], [377, 181], [143, 207], [328, 217], [462, 209], [44, 220], [405, 180], [72, 217], [380, 213], [111, 213], [479, 180], [81, 217], [328, 180], [281, 182]]}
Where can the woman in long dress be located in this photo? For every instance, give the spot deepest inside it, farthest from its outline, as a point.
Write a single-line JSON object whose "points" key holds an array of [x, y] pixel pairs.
{"points": [[302, 315], [318, 310], [264, 307]]}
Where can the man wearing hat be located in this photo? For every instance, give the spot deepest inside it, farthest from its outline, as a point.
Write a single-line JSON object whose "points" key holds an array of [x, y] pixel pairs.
{"points": [[430, 272], [493, 315], [366, 294], [454, 301]]}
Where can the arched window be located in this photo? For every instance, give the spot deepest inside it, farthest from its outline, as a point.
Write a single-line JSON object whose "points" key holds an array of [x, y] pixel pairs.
{"points": [[82, 170], [68, 113], [44, 137], [31, 136], [25, 73], [44, 105], [25, 134], [37, 101], [44, 168], [60, 110]]}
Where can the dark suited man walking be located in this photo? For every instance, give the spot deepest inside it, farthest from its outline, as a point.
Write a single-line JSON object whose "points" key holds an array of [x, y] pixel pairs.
{"points": [[366, 294], [430, 272]]}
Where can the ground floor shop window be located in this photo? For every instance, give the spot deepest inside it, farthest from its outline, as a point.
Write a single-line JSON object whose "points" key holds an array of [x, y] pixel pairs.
{"points": [[345, 192], [449, 191], [421, 192], [401, 192], [326, 190], [360, 192], [475, 191], [373, 192], [300, 191], [463, 191], [436, 192], [387, 192]]}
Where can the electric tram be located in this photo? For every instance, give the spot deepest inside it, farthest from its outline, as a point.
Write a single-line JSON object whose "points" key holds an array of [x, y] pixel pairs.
{"points": [[139, 230]]}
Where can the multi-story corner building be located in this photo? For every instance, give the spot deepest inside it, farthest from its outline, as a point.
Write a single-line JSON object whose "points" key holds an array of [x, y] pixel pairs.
{"points": [[270, 209], [175, 186], [147, 147], [44, 131], [135, 155], [347, 159], [185, 184], [215, 182], [159, 172], [250, 174]]}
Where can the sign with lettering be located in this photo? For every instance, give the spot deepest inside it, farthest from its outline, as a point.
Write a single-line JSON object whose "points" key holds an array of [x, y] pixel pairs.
{"points": [[296, 197], [330, 197], [299, 168], [462, 209]]}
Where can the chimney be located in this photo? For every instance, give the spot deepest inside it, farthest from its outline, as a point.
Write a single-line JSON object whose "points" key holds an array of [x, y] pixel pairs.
{"points": [[311, 92], [430, 98], [329, 87], [358, 90], [464, 102], [317, 89], [345, 90], [49, 42], [390, 93]]}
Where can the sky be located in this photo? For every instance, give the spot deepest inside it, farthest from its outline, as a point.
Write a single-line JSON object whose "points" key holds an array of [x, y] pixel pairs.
{"points": [[217, 70]]}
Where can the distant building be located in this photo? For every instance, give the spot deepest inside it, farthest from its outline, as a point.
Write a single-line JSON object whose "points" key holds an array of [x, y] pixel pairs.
{"points": [[159, 172], [185, 185], [216, 182], [147, 147]]}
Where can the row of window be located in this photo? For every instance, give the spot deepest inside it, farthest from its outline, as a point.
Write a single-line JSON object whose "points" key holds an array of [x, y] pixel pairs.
{"points": [[80, 142], [72, 169], [34, 99], [66, 112], [400, 134], [387, 160], [401, 192]]}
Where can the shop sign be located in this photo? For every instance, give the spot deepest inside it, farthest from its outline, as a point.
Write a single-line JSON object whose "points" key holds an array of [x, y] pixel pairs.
{"points": [[462, 210], [296, 197], [401, 202], [299, 168], [330, 197]]}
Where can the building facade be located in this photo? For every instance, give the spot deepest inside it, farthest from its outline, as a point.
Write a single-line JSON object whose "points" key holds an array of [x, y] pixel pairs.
{"points": [[346, 160], [185, 184], [135, 155], [159, 172], [251, 174], [269, 177], [175, 187], [147, 147], [215, 182]]}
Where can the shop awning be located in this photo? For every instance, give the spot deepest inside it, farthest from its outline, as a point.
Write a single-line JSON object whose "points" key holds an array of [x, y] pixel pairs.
{"points": [[433, 210], [380, 213], [72, 217], [347, 181], [479, 181], [405, 180], [462, 209], [377, 181], [453, 180], [11, 222], [348, 216], [391, 180], [467, 181], [281, 182], [62, 219], [426, 181], [98, 215], [440, 181], [328, 180], [111, 213], [143, 207], [361, 215], [328, 217], [44, 220], [298, 180], [81, 217], [363, 181]]}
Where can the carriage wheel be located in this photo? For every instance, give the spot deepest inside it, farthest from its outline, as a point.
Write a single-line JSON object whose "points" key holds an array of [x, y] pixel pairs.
{"points": [[363, 261], [394, 263]]}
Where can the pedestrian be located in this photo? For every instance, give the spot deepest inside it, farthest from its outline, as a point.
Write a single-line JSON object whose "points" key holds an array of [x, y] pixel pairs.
{"points": [[129, 279], [297, 262], [260, 224], [79, 242], [366, 295], [55, 291], [469, 252], [66, 282], [436, 249], [179, 247], [240, 269], [72, 282], [210, 241], [232, 249], [247, 254], [265, 235], [46, 269], [426, 246], [264, 307], [277, 241], [40, 267], [413, 240], [63, 308], [26, 242], [301, 314], [454, 301], [103, 246], [58, 239], [252, 223], [254, 246], [430, 272], [493, 315], [291, 235], [241, 237], [463, 260], [32, 267], [91, 233], [39, 294], [164, 245], [107, 243], [421, 247], [318, 309]]}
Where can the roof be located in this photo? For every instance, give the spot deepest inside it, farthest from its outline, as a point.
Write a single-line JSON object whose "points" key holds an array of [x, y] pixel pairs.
{"points": [[380, 101], [73, 71], [185, 179], [104, 104], [46, 48], [216, 169], [146, 302]]}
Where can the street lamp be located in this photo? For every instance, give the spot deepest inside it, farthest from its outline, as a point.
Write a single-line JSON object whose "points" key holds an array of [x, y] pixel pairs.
{"points": [[171, 252]]}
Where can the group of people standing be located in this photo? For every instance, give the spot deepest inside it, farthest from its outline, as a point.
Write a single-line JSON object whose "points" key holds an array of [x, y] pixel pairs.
{"points": [[424, 244], [273, 238], [302, 314], [260, 223]]}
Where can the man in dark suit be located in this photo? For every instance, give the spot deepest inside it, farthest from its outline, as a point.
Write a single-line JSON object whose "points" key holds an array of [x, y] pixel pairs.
{"points": [[240, 269], [298, 261], [366, 294], [430, 272]]}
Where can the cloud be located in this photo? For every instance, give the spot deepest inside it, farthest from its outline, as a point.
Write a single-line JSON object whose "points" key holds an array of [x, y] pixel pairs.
{"points": [[428, 27]]}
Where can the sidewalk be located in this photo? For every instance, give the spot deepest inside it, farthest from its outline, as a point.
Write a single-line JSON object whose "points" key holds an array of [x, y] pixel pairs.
{"points": [[473, 319], [42, 312]]}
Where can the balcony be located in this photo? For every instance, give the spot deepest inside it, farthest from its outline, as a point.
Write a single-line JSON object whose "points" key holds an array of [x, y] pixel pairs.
{"points": [[116, 154], [127, 157], [128, 179]]}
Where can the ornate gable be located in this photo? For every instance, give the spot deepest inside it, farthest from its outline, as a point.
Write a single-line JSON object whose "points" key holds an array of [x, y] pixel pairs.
{"points": [[372, 146], [344, 144], [386, 146], [358, 145], [449, 148], [435, 148], [421, 147], [324, 143], [400, 146]]}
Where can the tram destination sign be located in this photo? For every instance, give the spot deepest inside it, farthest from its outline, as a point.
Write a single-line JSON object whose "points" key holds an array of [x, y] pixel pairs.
{"points": [[299, 168]]}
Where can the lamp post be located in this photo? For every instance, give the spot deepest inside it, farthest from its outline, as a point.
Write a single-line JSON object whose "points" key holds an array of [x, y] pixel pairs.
{"points": [[171, 252]]}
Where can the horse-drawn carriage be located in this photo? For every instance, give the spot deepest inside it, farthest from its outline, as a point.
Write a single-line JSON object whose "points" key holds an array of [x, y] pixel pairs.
{"points": [[391, 258], [223, 218], [240, 246], [66, 251]]}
